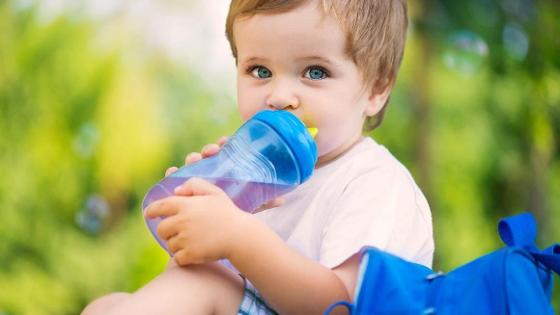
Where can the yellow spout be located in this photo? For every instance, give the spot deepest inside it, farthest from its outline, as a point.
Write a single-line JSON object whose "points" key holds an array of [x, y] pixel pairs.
{"points": [[313, 131]]}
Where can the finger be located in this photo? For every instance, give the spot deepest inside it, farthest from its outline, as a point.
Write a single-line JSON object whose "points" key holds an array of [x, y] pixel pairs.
{"points": [[193, 157], [163, 208], [210, 149], [271, 204], [170, 170], [168, 228], [182, 258], [176, 243], [173, 244], [277, 202], [197, 187], [222, 141]]}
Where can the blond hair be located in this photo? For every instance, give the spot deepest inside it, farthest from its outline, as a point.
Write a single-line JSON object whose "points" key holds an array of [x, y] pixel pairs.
{"points": [[375, 31]]}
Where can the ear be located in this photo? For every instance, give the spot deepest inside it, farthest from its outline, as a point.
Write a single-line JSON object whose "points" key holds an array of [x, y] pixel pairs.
{"points": [[377, 99]]}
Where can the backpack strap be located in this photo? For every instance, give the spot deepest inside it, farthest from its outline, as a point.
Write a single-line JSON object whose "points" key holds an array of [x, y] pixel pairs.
{"points": [[521, 231]]}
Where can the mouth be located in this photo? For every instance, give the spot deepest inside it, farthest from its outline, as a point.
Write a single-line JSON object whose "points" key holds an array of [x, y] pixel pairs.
{"points": [[310, 127], [307, 122]]}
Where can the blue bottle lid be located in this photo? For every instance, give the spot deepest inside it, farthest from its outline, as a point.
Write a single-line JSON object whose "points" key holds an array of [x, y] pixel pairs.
{"points": [[295, 134]]}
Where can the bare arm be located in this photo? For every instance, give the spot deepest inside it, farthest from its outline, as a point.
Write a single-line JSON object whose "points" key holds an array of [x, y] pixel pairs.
{"points": [[290, 282]]}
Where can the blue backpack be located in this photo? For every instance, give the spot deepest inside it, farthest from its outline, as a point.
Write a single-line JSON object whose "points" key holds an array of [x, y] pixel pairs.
{"points": [[516, 279]]}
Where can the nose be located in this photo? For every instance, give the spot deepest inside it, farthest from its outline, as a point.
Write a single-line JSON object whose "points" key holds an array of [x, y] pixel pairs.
{"points": [[282, 96]]}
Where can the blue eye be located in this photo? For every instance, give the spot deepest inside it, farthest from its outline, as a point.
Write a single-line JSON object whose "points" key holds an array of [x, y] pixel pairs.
{"points": [[260, 72], [316, 73]]}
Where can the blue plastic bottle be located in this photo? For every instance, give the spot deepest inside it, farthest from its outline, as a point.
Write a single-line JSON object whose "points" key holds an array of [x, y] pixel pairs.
{"points": [[268, 156]]}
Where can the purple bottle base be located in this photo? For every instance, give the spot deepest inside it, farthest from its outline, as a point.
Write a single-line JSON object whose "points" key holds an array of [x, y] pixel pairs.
{"points": [[245, 194]]}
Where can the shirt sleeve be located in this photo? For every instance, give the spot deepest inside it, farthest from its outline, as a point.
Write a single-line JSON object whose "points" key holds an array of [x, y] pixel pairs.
{"points": [[370, 211]]}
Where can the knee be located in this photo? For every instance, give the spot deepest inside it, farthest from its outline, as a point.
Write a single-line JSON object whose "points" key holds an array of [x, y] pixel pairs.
{"points": [[103, 304]]}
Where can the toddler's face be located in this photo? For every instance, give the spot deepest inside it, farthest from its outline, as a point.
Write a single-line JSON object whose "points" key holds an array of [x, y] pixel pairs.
{"points": [[296, 61]]}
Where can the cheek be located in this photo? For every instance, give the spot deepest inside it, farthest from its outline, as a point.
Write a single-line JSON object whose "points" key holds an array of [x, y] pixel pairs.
{"points": [[329, 136], [247, 101], [334, 132], [329, 139]]}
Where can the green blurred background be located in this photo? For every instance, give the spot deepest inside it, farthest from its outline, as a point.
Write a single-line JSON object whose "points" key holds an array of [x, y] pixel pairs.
{"points": [[98, 98]]}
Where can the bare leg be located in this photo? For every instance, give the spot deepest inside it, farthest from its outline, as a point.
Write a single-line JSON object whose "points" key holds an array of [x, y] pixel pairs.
{"points": [[198, 289], [103, 304]]}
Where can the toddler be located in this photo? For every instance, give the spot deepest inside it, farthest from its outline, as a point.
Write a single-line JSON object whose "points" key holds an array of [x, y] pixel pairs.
{"points": [[333, 64]]}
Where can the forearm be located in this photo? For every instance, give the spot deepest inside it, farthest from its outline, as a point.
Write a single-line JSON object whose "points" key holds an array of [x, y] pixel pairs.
{"points": [[290, 282]]}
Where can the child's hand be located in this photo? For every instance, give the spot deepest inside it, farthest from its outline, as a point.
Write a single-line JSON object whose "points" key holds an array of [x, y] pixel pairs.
{"points": [[207, 151], [212, 149], [201, 222]]}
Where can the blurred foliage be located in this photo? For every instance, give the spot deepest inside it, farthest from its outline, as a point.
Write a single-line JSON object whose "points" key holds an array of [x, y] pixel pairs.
{"points": [[476, 116], [84, 133], [86, 128]]}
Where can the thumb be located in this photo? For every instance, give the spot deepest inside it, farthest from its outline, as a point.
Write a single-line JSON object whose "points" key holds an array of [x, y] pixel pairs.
{"points": [[197, 187]]}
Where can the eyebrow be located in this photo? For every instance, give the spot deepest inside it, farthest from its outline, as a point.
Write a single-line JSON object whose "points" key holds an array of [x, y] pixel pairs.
{"points": [[253, 59], [307, 58], [319, 58]]}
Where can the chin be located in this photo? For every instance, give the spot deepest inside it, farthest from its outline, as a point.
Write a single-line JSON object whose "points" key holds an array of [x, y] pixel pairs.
{"points": [[325, 148]]}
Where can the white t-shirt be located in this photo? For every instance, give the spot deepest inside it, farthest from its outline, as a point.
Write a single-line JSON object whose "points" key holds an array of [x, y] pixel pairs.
{"points": [[365, 197]]}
